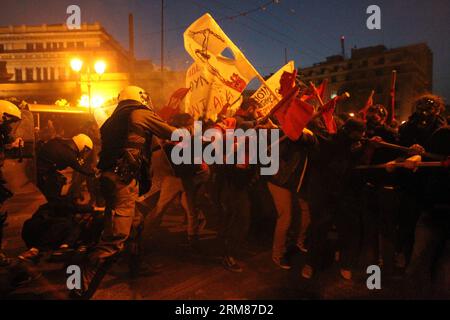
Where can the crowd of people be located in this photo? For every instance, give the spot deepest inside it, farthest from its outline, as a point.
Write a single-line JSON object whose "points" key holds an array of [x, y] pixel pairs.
{"points": [[366, 192]]}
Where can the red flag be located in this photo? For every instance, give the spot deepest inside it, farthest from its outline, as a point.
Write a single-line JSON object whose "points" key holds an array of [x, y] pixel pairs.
{"points": [[322, 88], [287, 82], [228, 123], [369, 103], [313, 92], [173, 107], [308, 95], [327, 111], [327, 114], [294, 115]]}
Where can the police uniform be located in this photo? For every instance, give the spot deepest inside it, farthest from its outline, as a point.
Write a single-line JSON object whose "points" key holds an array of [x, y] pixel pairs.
{"points": [[124, 161], [57, 154], [9, 113]]}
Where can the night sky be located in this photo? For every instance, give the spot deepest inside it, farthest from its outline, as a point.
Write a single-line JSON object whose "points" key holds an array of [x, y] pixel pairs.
{"points": [[309, 29]]}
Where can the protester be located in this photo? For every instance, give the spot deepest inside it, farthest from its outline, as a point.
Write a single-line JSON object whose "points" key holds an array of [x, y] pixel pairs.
{"points": [[433, 227], [381, 206], [232, 182], [285, 188], [331, 192], [181, 182], [417, 131]]}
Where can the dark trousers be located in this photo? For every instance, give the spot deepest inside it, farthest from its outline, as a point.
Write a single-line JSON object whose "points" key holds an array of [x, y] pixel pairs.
{"points": [[380, 217], [234, 219], [432, 231], [343, 212], [321, 222], [3, 217], [46, 233]]}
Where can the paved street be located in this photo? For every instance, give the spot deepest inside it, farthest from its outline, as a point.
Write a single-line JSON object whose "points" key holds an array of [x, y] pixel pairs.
{"points": [[177, 272]]}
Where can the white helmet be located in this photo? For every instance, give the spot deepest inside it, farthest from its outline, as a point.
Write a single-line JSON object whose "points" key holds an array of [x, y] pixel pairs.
{"points": [[136, 94], [82, 141], [9, 109]]}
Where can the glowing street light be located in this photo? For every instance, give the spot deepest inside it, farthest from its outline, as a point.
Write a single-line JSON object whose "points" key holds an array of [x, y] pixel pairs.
{"points": [[100, 67], [76, 64]]}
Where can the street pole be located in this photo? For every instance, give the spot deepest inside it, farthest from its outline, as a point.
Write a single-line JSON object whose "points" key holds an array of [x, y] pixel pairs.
{"points": [[162, 35], [131, 45], [89, 88]]}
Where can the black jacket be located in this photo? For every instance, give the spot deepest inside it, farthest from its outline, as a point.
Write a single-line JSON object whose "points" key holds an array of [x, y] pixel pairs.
{"points": [[410, 133], [294, 162], [58, 154], [130, 128]]}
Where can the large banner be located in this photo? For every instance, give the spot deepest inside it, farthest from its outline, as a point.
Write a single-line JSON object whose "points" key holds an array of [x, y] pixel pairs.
{"points": [[220, 72], [264, 96]]}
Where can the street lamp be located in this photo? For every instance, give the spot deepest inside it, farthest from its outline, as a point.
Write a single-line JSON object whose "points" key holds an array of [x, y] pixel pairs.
{"points": [[99, 67], [76, 64]]}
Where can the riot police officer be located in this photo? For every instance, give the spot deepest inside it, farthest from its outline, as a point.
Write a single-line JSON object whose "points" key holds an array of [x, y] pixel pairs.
{"points": [[58, 154], [9, 113], [124, 162]]}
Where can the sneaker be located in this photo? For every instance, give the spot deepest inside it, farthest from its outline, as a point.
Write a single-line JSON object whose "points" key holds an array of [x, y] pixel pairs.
{"points": [[307, 271], [93, 271], [32, 255], [346, 274], [62, 252], [201, 221], [81, 249], [231, 264], [301, 247], [24, 276], [283, 263]]}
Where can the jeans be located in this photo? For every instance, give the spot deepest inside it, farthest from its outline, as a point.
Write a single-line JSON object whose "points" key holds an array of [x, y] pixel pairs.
{"points": [[283, 200]]}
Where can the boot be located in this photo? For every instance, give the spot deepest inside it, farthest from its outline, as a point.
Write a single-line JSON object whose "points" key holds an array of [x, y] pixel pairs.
{"points": [[135, 259], [4, 260], [135, 251], [92, 273]]}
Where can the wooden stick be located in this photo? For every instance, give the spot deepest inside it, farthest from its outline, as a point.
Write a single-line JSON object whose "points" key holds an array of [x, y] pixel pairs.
{"points": [[316, 93], [393, 85], [430, 164], [406, 149]]}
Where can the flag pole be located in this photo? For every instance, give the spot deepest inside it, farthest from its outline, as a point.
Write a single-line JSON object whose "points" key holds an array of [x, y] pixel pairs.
{"points": [[393, 85], [263, 81], [368, 104], [316, 94]]}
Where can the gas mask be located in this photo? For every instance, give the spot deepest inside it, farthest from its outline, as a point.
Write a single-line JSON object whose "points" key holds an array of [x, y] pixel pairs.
{"points": [[376, 115], [427, 109]]}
